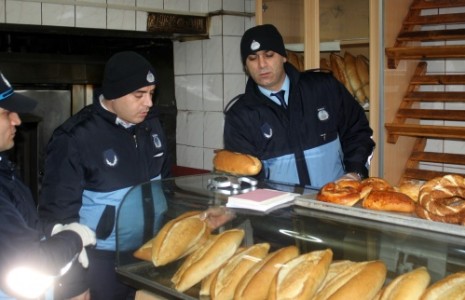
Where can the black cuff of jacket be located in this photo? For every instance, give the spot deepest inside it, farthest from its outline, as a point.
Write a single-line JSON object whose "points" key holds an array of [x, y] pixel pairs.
{"points": [[361, 170]]}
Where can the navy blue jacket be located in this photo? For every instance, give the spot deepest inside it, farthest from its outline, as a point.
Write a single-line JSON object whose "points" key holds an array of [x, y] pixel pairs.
{"points": [[92, 162], [22, 239], [323, 134]]}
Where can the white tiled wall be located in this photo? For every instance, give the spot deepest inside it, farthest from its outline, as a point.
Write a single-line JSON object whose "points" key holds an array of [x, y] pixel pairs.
{"points": [[208, 73]]}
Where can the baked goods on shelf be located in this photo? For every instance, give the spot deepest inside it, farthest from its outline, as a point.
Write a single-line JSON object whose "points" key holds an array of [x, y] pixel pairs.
{"points": [[236, 163], [300, 277], [410, 285], [344, 192], [375, 184], [177, 238], [257, 281], [207, 258], [449, 287], [354, 78], [442, 199], [411, 188], [389, 201], [357, 280]]}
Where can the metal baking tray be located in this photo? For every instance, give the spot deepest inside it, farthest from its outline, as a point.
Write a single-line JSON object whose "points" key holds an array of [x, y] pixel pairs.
{"points": [[403, 219]]}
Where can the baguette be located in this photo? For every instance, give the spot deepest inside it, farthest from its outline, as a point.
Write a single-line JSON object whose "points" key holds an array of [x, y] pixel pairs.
{"points": [[410, 285], [338, 68], [179, 237], [361, 280], [450, 287], [363, 71], [144, 252], [256, 282], [207, 258], [228, 276], [352, 76], [389, 201], [300, 278], [236, 163]]}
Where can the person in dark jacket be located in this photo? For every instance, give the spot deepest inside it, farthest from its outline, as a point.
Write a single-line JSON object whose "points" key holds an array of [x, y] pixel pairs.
{"points": [[314, 133], [96, 156], [30, 256]]}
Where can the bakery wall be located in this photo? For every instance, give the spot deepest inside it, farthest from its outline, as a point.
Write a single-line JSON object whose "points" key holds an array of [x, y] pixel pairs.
{"points": [[207, 73]]}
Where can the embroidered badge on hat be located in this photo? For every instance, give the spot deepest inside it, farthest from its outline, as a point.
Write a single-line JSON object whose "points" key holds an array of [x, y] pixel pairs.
{"points": [[254, 45], [150, 77]]}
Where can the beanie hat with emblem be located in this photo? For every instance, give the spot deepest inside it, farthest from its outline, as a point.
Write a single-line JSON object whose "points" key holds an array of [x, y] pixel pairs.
{"points": [[12, 101], [262, 37], [126, 72]]}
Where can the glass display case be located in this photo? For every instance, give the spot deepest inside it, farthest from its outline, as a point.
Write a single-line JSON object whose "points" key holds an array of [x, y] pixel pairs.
{"points": [[348, 233]]}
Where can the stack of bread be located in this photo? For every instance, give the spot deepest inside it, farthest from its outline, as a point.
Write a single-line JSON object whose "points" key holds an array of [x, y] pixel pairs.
{"points": [[224, 270], [353, 72]]}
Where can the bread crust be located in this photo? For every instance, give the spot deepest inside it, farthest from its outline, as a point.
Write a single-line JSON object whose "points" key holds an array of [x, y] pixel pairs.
{"points": [[389, 201], [450, 287], [257, 281], [360, 280], [207, 258], [228, 276], [354, 80], [300, 278], [236, 163], [179, 237], [409, 285], [374, 184], [411, 188], [344, 192], [338, 68]]}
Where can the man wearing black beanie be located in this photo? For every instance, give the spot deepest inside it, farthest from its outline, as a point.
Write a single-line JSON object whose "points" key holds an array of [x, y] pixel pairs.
{"points": [[94, 158], [305, 127]]}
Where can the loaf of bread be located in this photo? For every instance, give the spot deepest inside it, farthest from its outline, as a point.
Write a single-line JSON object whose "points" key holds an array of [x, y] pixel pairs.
{"points": [[179, 237], [389, 201], [257, 281], [411, 188], [207, 258], [363, 71], [360, 280], [300, 278], [227, 278], [236, 163], [409, 286], [450, 287], [339, 71], [145, 251], [354, 80]]}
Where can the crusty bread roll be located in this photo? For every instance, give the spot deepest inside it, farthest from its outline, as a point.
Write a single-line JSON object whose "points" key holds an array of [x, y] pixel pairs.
{"points": [[374, 184], [228, 276], [409, 286], [300, 278], [324, 64], [344, 192], [411, 188], [354, 80], [145, 251], [207, 258], [389, 201], [363, 71], [338, 68], [256, 282], [361, 280], [236, 163], [450, 287], [179, 237]]}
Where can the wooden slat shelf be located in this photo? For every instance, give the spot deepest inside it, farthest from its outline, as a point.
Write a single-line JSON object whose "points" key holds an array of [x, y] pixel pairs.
{"points": [[418, 5], [419, 174], [432, 35], [429, 131], [458, 18], [395, 54], [435, 97], [447, 158], [438, 79], [432, 114]]}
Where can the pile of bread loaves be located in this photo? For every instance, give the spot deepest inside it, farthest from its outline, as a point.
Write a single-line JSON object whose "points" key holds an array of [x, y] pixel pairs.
{"points": [[441, 199], [222, 269]]}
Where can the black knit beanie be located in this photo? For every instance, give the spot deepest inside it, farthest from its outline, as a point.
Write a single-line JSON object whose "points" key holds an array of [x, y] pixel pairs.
{"points": [[126, 72], [262, 37]]}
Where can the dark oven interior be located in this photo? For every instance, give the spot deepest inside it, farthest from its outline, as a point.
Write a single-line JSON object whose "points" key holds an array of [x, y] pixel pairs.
{"points": [[60, 67]]}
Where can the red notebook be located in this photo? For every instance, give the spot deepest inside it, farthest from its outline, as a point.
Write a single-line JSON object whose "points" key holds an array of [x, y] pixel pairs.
{"points": [[261, 199]]}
